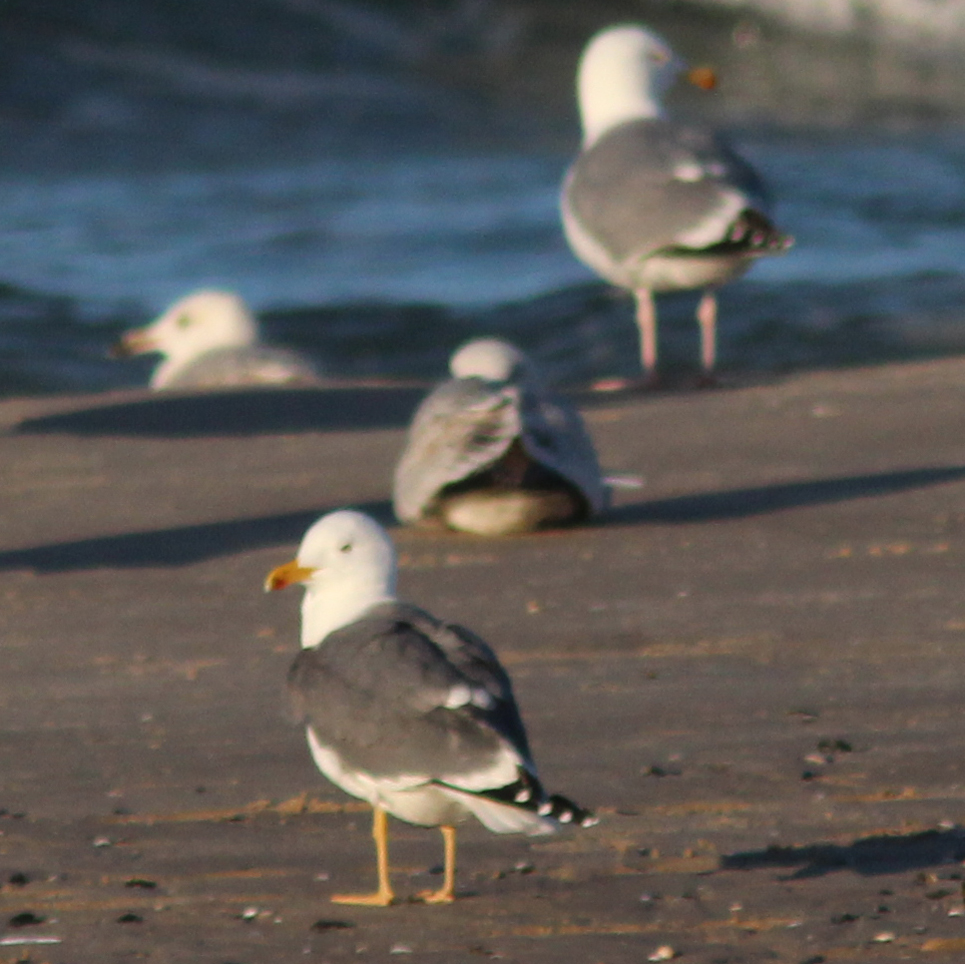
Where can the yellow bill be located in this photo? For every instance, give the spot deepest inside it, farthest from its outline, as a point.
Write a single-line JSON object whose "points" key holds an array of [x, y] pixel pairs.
{"points": [[702, 77], [134, 342], [287, 575]]}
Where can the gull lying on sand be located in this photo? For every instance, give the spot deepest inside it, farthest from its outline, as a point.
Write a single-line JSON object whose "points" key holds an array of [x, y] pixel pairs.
{"points": [[492, 452], [210, 339], [653, 205], [409, 713]]}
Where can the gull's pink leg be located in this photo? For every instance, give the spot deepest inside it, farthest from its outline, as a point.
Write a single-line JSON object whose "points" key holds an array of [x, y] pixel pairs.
{"points": [[707, 319], [647, 324]]}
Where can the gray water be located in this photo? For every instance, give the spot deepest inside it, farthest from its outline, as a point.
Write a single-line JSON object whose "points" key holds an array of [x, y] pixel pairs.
{"points": [[375, 218]]}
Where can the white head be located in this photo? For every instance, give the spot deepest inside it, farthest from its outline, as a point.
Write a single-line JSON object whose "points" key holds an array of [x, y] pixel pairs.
{"points": [[622, 76], [199, 323], [346, 563], [492, 359]]}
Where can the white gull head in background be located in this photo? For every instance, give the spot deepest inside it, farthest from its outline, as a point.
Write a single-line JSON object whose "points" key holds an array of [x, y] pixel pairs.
{"points": [[210, 339], [490, 359], [654, 205], [622, 76]]}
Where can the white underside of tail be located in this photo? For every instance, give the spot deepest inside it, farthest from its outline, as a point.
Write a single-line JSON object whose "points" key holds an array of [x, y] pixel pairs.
{"points": [[502, 817]]}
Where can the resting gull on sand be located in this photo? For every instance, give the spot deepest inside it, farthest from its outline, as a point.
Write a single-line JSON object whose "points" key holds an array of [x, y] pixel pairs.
{"points": [[210, 339], [414, 715], [653, 205], [490, 451]]}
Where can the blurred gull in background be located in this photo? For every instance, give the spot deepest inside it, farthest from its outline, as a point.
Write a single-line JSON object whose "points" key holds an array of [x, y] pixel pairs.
{"points": [[209, 340], [490, 451], [653, 205]]}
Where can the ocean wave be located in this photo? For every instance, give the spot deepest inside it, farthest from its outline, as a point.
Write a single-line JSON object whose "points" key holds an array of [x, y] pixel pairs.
{"points": [[916, 24]]}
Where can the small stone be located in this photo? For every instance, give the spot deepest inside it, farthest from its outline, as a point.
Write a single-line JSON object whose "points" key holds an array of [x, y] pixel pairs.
{"points": [[249, 913], [141, 882], [844, 918], [663, 953], [26, 919], [884, 937], [102, 841], [331, 925], [956, 912], [400, 949], [835, 746]]}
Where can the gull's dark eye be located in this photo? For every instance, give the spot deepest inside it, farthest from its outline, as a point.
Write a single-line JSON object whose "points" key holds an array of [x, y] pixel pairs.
{"points": [[346, 548], [184, 321]]}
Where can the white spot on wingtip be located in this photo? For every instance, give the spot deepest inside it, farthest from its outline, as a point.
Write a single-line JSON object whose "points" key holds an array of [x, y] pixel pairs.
{"points": [[545, 809], [522, 796], [566, 816], [458, 696], [689, 171], [482, 699]]}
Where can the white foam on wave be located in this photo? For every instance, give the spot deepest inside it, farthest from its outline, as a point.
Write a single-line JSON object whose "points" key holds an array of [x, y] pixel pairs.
{"points": [[912, 23]]}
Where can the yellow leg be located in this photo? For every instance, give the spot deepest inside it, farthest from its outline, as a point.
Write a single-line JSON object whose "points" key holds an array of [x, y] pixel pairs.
{"points": [[383, 896], [446, 894]]}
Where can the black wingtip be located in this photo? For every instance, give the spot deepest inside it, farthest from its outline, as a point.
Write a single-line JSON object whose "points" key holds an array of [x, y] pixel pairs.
{"points": [[527, 793], [565, 811]]}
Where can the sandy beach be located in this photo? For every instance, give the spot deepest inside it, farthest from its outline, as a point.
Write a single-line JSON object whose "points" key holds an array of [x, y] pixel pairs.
{"points": [[751, 668]]}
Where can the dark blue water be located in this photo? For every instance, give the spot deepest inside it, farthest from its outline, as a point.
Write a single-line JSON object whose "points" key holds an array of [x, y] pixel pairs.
{"points": [[375, 212]]}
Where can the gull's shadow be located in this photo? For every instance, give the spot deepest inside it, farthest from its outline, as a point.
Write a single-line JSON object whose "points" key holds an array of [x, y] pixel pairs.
{"points": [[739, 503], [239, 412], [868, 856], [178, 546]]}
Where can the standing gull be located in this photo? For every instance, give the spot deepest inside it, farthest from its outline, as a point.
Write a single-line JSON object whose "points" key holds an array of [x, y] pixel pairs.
{"points": [[210, 339], [491, 451], [409, 713], [653, 205]]}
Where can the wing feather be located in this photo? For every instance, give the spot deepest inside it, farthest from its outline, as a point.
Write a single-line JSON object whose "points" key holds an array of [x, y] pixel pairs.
{"points": [[378, 693], [464, 426], [646, 185]]}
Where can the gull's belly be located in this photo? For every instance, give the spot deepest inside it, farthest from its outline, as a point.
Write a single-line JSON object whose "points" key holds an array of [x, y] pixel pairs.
{"points": [[683, 273]]}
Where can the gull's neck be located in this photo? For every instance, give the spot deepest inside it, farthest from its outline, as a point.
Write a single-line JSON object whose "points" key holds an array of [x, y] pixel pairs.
{"points": [[339, 601], [613, 91], [169, 369]]}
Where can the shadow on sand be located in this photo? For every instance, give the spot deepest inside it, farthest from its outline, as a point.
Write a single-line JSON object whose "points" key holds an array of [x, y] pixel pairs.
{"points": [[243, 412], [868, 856], [176, 547], [187, 544], [740, 503]]}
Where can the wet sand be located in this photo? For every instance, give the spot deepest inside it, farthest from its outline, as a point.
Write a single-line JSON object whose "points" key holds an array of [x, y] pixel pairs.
{"points": [[752, 668]]}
